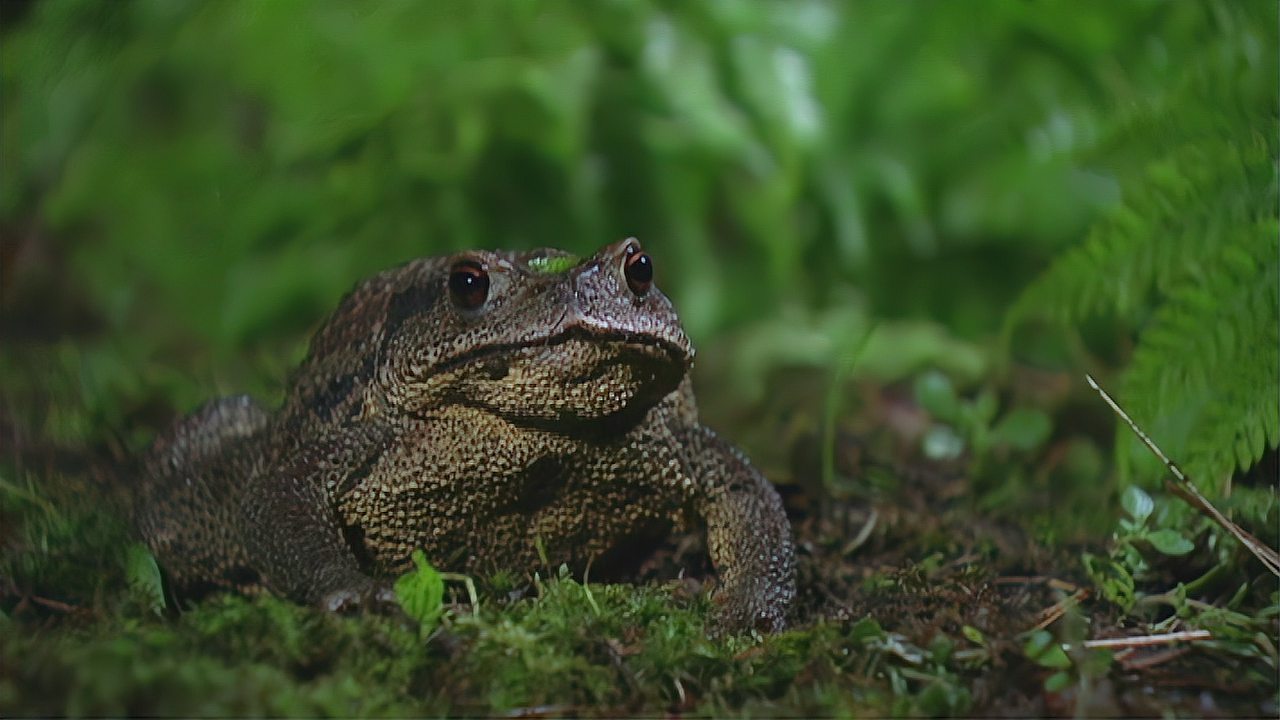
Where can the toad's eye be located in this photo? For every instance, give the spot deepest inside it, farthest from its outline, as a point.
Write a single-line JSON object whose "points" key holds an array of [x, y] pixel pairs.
{"points": [[638, 267], [468, 285]]}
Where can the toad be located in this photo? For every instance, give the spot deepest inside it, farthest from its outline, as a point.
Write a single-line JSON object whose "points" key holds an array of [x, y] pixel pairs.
{"points": [[499, 411]]}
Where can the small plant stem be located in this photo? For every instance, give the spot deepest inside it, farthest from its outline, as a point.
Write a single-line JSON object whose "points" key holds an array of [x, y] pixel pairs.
{"points": [[843, 368], [469, 584]]}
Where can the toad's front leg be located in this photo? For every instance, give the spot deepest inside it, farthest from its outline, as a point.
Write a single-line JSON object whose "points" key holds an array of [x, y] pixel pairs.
{"points": [[748, 534], [293, 536]]}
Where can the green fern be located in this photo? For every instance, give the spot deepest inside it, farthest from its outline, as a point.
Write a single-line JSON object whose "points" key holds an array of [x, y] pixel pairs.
{"points": [[1206, 373], [1190, 259], [1176, 215]]}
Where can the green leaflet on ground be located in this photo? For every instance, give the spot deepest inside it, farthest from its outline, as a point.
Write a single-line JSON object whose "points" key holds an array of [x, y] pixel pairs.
{"points": [[421, 592]]}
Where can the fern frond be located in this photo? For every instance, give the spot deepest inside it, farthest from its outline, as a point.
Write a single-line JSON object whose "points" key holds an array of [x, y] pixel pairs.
{"points": [[1193, 163], [1206, 373], [1191, 257], [1156, 236]]}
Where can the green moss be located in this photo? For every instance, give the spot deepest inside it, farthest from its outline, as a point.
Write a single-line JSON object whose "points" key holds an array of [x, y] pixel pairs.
{"points": [[554, 265]]}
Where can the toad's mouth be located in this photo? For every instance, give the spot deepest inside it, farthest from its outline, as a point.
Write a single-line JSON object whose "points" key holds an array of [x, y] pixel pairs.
{"points": [[567, 379], [645, 348]]}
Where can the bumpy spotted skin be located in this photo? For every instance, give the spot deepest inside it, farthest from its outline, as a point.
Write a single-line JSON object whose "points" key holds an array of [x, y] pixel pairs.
{"points": [[486, 407], [188, 505]]}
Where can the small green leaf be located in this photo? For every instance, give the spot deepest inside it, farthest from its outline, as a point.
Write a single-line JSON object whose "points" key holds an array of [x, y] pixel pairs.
{"points": [[1058, 681], [983, 408], [943, 698], [1054, 657], [1042, 649], [865, 630], [935, 393], [974, 635], [1170, 542], [421, 592], [1022, 429], [1036, 643], [143, 577], [1137, 503], [1112, 578], [940, 648]]}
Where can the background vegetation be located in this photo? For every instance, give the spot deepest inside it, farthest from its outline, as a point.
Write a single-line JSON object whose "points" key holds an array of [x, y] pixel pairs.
{"points": [[1013, 193]]}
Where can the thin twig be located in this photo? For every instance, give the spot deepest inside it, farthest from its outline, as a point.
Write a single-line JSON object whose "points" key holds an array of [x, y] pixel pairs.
{"points": [[54, 604], [1150, 660], [1149, 640], [1187, 490], [863, 534], [1021, 580], [1051, 614], [1053, 583], [540, 711]]}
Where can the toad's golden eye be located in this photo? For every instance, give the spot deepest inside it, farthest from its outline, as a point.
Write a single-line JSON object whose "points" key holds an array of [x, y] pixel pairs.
{"points": [[469, 285], [638, 267]]}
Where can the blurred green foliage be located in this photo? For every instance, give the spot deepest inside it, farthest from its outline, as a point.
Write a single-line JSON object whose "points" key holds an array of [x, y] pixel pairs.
{"points": [[208, 178], [225, 170]]}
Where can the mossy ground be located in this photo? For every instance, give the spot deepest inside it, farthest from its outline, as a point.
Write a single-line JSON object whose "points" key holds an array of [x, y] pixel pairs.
{"points": [[915, 600]]}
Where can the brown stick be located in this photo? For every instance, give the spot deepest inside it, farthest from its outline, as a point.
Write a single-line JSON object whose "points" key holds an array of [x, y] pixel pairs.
{"points": [[1148, 640]]}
